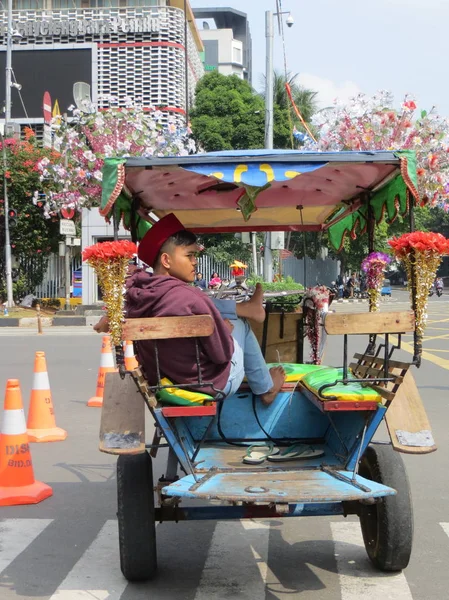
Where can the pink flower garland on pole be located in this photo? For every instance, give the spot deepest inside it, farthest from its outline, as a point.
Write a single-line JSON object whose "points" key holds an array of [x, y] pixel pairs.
{"points": [[374, 266], [316, 301]]}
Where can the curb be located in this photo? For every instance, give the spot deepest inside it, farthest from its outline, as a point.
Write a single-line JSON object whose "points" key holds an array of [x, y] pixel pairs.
{"points": [[28, 322], [355, 300]]}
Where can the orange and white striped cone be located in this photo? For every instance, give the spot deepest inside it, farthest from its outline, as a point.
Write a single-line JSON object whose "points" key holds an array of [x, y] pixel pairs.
{"points": [[130, 359], [17, 483], [41, 423], [106, 366]]}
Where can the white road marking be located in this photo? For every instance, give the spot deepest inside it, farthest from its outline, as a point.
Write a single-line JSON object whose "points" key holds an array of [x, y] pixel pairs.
{"points": [[445, 527], [16, 535], [236, 564], [97, 575], [358, 578]]}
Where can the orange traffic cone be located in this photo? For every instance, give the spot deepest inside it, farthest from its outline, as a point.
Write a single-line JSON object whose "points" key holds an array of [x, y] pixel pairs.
{"points": [[17, 483], [106, 366], [130, 359], [41, 424]]}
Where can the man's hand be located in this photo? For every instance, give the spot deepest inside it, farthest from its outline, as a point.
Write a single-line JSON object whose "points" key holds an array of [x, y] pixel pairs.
{"points": [[103, 325], [229, 325]]}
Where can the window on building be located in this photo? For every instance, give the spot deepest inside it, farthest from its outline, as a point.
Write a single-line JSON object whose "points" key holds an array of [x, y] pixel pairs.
{"points": [[237, 54]]}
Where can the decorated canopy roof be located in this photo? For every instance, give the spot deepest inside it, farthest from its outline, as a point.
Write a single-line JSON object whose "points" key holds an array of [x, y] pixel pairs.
{"points": [[264, 190]]}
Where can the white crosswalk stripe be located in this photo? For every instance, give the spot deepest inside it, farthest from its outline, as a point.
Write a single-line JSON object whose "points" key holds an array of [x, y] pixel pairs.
{"points": [[237, 564], [96, 575], [16, 535], [445, 527], [358, 579]]}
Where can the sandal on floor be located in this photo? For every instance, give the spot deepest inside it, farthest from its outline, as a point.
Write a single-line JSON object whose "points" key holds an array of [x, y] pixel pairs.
{"points": [[257, 453], [295, 452]]}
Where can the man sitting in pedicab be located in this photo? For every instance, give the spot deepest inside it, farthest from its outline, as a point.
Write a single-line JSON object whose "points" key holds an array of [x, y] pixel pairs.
{"points": [[230, 353]]}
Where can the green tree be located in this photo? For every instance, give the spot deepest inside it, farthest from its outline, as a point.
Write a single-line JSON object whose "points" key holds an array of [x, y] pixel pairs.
{"points": [[225, 247], [33, 238], [228, 114]]}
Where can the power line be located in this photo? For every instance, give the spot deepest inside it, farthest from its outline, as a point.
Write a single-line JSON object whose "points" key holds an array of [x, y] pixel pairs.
{"points": [[21, 98]]}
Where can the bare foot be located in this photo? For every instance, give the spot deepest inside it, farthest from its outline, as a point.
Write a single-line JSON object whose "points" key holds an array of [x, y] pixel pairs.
{"points": [[103, 325], [278, 377], [253, 309]]}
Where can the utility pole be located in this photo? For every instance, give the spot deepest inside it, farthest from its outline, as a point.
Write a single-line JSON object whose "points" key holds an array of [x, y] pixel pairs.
{"points": [[8, 260], [269, 118], [269, 36], [254, 249]]}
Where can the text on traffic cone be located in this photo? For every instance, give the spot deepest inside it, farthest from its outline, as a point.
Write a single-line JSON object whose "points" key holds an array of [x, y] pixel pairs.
{"points": [[17, 483]]}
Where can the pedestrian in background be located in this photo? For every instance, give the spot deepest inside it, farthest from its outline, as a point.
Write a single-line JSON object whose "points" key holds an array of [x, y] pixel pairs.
{"points": [[200, 281]]}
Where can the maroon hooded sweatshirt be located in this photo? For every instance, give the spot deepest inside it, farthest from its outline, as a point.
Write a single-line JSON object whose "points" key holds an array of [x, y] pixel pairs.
{"points": [[165, 296]]}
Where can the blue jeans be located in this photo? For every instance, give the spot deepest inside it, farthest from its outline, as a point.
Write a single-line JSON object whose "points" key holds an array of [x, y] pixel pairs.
{"points": [[247, 358]]}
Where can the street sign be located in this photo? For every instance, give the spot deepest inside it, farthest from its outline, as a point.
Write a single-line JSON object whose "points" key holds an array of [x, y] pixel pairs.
{"points": [[56, 114], [67, 227], [47, 107], [67, 212]]}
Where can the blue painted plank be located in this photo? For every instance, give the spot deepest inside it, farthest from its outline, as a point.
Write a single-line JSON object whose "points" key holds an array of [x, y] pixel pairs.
{"points": [[291, 416], [306, 486]]}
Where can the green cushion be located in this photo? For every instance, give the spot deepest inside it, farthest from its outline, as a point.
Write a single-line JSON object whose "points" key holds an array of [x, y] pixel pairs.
{"points": [[295, 372], [180, 397], [352, 392]]}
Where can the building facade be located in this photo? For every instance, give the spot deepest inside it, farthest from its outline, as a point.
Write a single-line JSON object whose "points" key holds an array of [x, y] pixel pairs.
{"points": [[107, 50], [118, 49], [227, 41]]}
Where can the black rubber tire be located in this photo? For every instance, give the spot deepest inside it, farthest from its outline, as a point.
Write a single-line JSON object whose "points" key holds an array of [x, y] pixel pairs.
{"points": [[387, 526], [136, 526]]}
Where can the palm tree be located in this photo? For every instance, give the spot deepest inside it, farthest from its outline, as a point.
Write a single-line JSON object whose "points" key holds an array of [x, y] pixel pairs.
{"points": [[305, 99]]}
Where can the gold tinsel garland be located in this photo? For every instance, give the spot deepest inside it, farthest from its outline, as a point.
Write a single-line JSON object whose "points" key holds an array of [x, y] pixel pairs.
{"points": [[374, 299], [111, 276], [421, 269]]}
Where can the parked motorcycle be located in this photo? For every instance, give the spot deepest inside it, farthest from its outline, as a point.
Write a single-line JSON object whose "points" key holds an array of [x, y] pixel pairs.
{"points": [[437, 288]]}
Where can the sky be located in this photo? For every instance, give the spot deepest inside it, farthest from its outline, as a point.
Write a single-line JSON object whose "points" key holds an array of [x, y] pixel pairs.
{"points": [[342, 47]]}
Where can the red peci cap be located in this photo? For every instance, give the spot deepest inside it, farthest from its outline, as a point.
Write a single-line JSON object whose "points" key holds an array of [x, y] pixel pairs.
{"points": [[156, 237]]}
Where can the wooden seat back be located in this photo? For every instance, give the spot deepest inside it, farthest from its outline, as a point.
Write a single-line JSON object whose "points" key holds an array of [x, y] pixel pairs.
{"points": [[373, 367], [163, 328], [369, 323], [366, 366]]}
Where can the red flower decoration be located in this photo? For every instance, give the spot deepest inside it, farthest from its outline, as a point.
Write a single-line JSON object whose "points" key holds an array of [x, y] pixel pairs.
{"points": [[106, 251], [420, 241]]}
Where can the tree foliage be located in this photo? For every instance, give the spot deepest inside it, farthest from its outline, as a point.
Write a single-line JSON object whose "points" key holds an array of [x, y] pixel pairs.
{"points": [[33, 238], [225, 247], [228, 114]]}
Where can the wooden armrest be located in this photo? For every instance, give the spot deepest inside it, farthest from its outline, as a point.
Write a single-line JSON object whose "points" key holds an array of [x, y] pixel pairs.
{"points": [[362, 323], [163, 328]]}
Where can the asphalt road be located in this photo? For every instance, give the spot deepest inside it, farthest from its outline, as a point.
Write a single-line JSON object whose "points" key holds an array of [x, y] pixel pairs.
{"points": [[66, 548]]}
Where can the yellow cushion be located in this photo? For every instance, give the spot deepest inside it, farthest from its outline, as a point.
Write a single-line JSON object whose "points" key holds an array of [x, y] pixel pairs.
{"points": [[352, 392], [296, 372], [180, 397]]}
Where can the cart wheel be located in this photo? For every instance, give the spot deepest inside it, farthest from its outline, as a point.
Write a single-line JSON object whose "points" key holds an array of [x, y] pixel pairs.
{"points": [[136, 527], [387, 526]]}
